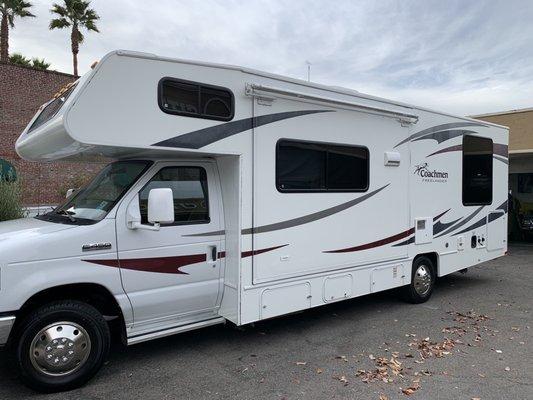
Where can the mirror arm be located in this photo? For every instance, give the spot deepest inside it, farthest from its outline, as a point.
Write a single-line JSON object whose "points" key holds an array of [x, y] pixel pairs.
{"points": [[137, 225]]}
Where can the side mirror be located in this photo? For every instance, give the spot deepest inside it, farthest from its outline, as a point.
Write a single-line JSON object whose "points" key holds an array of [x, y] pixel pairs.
{"points": [[161, 206], [69, 193], [160, 210]]}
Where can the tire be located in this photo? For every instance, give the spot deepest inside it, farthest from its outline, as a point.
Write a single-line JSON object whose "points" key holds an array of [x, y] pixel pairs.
{"points": [[61, 346], [423, 276]]}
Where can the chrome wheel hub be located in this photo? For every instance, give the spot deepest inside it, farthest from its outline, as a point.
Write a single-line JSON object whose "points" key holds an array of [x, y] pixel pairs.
{"points": [[422, 280], [60, 348]]}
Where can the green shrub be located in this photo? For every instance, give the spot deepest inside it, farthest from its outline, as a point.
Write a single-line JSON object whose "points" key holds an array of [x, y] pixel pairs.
{"points": [[10, 200]]}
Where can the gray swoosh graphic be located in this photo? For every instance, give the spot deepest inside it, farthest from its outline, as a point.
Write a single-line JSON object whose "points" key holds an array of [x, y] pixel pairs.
{"points": [[438, 227], [438, 128], [442, 136], [502, 159], [461, 223], [300, 220], [203, 137], [491, 217]]}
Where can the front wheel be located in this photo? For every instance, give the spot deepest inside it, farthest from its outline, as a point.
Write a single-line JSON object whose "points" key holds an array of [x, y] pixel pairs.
{"points": [[61, 346], [422, 281]]}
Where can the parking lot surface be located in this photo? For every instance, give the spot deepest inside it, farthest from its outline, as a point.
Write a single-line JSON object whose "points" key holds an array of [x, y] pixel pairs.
{"points": [[472, 340]]}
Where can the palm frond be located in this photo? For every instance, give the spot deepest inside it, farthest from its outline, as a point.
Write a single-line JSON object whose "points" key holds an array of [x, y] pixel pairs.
{"points": [[16, 8], [91, 26], [59, 23], [59, 10]]}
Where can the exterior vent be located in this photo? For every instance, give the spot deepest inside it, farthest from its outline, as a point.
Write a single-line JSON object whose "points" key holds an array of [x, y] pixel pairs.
{"points": [[392, 159]]}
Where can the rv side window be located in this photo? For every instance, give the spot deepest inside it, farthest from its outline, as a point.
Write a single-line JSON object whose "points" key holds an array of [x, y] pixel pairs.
{"points": [[196, 100], [477, 171], [321, 167], [189, 187]]}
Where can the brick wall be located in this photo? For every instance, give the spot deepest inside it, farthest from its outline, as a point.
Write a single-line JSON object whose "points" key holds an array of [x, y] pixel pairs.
{"points": [[22, 91]]}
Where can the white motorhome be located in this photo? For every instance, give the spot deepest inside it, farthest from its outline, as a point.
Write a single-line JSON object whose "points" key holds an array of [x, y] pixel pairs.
{"points": [[239, 196]]}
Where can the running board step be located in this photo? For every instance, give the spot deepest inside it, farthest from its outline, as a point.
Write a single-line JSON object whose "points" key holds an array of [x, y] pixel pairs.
{"points": [[172, 331]]}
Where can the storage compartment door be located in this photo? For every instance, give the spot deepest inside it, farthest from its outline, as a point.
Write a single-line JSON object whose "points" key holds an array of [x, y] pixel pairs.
{"points": [[496, 230]]}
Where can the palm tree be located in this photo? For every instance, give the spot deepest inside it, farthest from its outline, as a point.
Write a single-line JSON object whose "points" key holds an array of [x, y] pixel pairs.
{"points": [[40, 63], [35, 62], [74, 14], [9, 9], [19, 59]]}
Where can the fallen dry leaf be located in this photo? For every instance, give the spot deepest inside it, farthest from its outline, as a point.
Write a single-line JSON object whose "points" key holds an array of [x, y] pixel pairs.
{"points": [[343, 380], [411, 389]]}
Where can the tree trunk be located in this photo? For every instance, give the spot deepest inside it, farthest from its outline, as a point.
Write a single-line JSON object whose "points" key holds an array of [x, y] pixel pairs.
{"points": [[74, 38], [4, 39]]}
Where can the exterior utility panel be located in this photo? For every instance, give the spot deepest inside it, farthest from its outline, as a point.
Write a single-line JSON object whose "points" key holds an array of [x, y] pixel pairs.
{"points": [[315, 194]]}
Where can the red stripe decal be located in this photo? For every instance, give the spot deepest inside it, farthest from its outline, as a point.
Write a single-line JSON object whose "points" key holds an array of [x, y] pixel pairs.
{"points": [[448, 149], [163, 265], [385, 241], [261, 251], [169, 265], [377, 243]]}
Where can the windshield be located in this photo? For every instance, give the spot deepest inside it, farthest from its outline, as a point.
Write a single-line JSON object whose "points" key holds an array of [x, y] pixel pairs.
{"points": [[92, 203]]}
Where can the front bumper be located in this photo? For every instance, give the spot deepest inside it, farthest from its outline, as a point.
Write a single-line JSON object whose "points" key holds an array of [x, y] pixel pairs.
{"points": [[6, 324]]}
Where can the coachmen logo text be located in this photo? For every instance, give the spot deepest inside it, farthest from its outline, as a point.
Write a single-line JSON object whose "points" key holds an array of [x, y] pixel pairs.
{"points": [[429, 175]]}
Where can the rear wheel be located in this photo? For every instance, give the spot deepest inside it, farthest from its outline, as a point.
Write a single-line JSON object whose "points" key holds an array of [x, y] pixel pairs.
{"points": [[422, 281], [61, 346]]}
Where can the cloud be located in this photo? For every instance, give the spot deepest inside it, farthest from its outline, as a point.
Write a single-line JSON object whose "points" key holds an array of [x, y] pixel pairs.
{"points": [[455, 56]]}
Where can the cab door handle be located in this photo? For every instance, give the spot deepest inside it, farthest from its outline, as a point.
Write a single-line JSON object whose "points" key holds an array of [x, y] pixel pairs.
{"points": [[212, 255]]}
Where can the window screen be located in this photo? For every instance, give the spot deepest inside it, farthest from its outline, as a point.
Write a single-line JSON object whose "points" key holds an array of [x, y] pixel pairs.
{"points": [[317, 167], [477, 170], [189, 187], [197, 100]]}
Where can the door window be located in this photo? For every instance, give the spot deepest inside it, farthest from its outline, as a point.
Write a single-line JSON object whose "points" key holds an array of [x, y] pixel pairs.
{"points": [[189, 187]]}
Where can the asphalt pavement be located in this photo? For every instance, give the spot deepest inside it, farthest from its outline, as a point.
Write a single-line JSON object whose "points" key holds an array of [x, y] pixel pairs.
{"points": [[472, 340]]}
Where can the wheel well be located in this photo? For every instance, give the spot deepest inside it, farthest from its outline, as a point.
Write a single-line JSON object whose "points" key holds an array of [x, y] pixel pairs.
{"points": [[91, 293], [434, 258]]}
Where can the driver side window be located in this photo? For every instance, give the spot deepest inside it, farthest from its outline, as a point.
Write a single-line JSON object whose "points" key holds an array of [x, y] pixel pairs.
{"points": [[189, 188]]}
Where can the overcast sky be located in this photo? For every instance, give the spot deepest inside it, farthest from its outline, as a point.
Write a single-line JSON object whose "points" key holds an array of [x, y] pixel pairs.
{"points": [[465, 57]]}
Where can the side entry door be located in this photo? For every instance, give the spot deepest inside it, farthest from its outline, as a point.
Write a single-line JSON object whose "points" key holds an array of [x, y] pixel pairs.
{"points": [[172, 276]]}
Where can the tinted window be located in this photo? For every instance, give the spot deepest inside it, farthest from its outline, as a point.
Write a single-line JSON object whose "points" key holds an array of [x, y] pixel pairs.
{"points": [[304, 166], [189, 187], [195, 100], [181, 97], [477, 170], [51, 109], [215, 102], [347, 168]]}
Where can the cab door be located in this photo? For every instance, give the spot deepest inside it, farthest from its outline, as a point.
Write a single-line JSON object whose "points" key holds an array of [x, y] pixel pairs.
{"points": [[172, 276]]}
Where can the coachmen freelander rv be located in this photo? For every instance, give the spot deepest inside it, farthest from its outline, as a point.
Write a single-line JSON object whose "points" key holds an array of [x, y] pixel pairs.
{"points": [[237, 195]]}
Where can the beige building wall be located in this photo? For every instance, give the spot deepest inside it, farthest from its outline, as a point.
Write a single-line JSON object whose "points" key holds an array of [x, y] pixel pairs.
{"points": [[520, 123]]}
